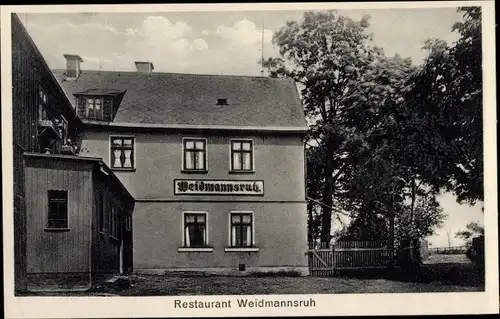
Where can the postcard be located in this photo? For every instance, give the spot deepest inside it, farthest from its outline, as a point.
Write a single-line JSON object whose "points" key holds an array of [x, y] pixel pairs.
{"points": [[249, 159]]}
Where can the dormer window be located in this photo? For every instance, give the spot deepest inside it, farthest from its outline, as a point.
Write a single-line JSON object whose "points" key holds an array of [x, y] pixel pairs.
{"points": [[93, 108], [221, 101]]}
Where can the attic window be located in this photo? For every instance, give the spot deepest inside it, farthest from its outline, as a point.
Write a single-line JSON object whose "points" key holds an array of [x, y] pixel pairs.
{"points": [[221, 101]]}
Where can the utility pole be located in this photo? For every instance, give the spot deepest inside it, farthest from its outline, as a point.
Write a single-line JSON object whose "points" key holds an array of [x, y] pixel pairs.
{"points": [[449, 239], [262, 50]]}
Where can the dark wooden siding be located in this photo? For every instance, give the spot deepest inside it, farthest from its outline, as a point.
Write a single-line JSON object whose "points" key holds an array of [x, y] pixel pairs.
{"points": [[29, 71], [106, 250], [58, 251]]}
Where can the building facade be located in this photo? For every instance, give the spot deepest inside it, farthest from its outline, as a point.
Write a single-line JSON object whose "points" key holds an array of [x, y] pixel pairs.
{"points": [[79, 222], [152, 172], [215, 164]]}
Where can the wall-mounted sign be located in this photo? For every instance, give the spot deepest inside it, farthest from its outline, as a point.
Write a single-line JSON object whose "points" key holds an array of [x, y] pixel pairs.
{"points": [[217, 187]]}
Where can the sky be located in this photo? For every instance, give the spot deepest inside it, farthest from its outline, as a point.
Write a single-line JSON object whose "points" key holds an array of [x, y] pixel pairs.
{"points": [[211, 42], [228, 43]]}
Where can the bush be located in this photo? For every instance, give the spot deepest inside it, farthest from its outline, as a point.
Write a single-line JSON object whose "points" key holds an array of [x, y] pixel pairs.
{"points": [[475, 253]]}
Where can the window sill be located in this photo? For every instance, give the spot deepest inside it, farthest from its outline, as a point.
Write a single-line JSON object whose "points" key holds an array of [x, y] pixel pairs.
{"points": [[241, 172], [57, 229], [194, 171], [193, 249], [241, 249], [120, 169]]}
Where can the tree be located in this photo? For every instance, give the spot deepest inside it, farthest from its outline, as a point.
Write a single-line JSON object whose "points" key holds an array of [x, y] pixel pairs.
{"points": [[428, 216], [367, 227], [446, 101], [325, 53], [473, 229]]}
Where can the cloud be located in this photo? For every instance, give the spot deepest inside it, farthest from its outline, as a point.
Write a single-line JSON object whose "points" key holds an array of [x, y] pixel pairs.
{"points": [[243, 32], [199, 45], [180, 44], [173, 46], [158, 27]]}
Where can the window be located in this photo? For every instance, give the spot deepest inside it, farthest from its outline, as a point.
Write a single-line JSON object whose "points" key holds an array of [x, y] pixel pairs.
{"points": [[58, 209], [195, 151], [195, 230], [241, 230], [42, 104], [221, 101], [122, 152], [242, 156], [94, 108]]}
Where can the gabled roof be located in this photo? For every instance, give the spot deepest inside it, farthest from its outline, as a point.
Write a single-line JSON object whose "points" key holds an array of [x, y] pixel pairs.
{"points": [[190, 99]]}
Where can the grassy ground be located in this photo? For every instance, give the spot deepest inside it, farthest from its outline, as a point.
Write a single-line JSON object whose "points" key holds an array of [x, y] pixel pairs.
{"points": [[436, 277]]}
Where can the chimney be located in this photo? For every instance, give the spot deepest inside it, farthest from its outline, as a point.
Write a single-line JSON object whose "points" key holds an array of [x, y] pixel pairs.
{"points": [[144, 67], [73, 69]]}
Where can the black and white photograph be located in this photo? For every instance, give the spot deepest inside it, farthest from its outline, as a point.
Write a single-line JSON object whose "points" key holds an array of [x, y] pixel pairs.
{"points": [[249, 159]]}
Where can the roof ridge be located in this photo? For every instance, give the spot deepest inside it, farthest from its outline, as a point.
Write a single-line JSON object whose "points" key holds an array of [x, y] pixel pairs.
{"points": [[178, 73]]}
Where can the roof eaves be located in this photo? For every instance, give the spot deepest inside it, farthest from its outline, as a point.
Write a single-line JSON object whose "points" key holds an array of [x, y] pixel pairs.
{"points": [[284, 129], [95, 160]]}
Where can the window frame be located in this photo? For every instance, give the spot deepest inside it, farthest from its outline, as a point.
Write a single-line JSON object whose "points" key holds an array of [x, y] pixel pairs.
{"points": [[101, 103], [133, 157], [206, 247], [250, 248], [49, 202], [184, 152], [252, 156]]}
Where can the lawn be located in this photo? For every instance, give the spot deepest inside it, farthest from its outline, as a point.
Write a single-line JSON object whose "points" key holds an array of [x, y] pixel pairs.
{"points": [[437, 277]]}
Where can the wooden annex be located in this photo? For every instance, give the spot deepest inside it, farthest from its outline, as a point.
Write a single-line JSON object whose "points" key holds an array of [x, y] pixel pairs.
{"points": [[96, 238]]}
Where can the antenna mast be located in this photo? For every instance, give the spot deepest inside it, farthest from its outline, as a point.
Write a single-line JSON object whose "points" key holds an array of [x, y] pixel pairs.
{"points": [[262, 50]]}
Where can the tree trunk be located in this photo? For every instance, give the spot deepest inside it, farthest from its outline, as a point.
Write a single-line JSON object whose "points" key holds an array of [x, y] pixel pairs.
{"points": [[327, 196], [412, 212], [391, 227], [310, 235]]}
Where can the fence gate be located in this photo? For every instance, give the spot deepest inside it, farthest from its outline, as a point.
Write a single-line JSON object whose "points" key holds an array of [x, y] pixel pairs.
{"points": [[324, 260], [321, 262], [361, 254]]}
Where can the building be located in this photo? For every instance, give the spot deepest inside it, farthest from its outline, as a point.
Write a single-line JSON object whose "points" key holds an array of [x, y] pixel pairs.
{"points": [[215, 164], [72, 215], [152, 172]]}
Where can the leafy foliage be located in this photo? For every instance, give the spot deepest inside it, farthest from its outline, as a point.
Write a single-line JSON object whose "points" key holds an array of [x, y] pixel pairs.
{"points": [[446, 102], [326, 54], [385, 136], [471, 230]]}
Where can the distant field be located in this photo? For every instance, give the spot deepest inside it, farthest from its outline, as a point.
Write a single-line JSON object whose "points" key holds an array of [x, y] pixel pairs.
{"points": [[447, 259]]}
